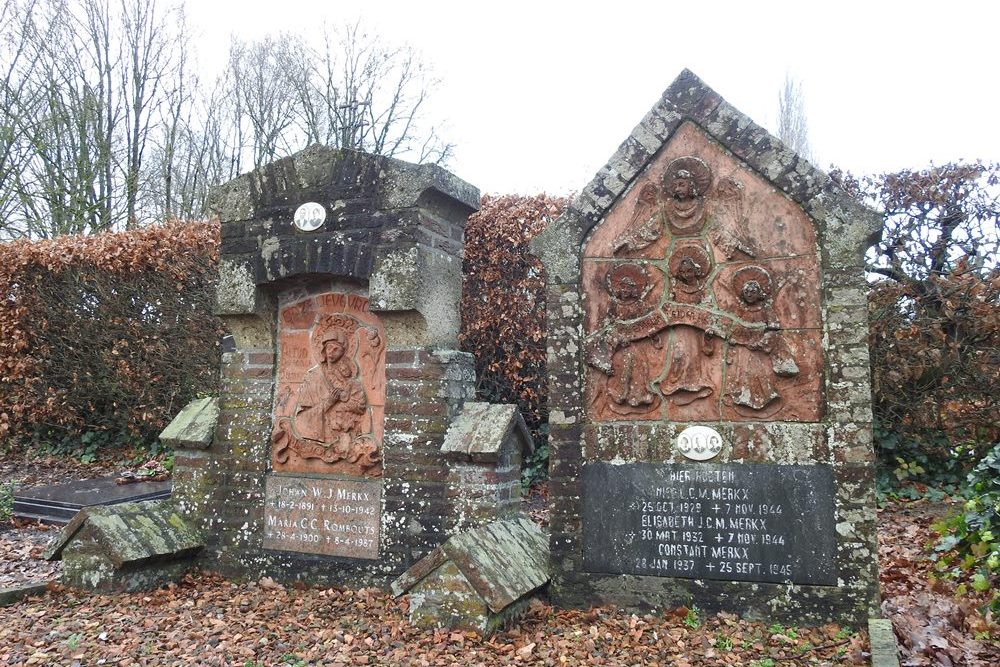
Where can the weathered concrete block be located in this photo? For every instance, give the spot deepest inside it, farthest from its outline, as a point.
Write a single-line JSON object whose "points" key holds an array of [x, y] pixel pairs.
{"points": [[487, 432], [194, 426], [130, 547], [885, 651], [477, 580]]}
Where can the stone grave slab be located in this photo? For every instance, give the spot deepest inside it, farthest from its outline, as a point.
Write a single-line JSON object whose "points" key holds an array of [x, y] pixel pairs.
{"points": [[323, 515], [771, 523], [58, 503], [340, 280], [707, 317]]}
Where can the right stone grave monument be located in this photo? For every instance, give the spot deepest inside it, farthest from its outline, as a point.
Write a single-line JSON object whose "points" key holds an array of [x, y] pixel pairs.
{"points": [[709, 391]]}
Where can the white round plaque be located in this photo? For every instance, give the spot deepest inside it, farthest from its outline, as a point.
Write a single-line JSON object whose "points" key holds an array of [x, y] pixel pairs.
{"points": [[699, 443], [310, 216]]}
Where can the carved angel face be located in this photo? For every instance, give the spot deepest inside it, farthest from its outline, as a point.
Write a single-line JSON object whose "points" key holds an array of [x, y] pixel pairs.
{"points": [[628, 283], [753, 285], [752, 292], [683, 186], [689, 271], [686, 182]]}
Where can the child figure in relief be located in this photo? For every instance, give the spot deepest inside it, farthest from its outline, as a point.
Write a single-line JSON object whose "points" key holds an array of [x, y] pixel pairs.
{"points": [[757, 357], [628, 386], [689, 371]]}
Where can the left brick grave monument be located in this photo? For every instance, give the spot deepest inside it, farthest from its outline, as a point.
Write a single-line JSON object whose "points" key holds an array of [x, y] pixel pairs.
{"points": [[340, 281]]}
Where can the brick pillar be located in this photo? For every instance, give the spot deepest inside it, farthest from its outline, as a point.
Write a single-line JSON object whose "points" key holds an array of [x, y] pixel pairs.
{"points": [[223, 486], [424, 390]]}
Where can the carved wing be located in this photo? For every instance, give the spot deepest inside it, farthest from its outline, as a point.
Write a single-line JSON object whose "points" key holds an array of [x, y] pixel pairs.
{"points": [[644, 227]]}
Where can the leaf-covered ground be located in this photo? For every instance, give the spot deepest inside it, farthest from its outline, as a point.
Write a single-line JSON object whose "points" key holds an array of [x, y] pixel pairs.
{"points": [[933, 625], [206, 620]]}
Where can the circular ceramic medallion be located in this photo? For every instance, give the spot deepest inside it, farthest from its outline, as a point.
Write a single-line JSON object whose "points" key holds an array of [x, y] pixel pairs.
{"points": [[699, 443], [310, 216]]}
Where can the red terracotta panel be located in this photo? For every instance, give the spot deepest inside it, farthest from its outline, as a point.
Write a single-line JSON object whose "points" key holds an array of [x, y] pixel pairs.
{"points": [[701, 296], [329, 406]]}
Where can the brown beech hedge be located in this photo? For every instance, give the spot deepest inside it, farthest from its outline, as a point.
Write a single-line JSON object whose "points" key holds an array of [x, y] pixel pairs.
{"points": [[503, 300], [110, 334]]}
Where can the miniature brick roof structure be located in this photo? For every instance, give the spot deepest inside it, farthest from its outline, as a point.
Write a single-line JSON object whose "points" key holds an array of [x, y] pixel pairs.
{"points": [[503, 561], [131, 533], [481, 430]]}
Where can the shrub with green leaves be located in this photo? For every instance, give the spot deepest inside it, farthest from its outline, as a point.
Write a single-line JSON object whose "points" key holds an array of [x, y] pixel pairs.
{"points": [[970, 542], [7, 501]]}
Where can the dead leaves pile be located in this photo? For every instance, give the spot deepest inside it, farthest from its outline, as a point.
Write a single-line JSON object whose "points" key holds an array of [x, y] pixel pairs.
{"points": [[27, 471], [934, 628], [207, 620], [21, 557]]}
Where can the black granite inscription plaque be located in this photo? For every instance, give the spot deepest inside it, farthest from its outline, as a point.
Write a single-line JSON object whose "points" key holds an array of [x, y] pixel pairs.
{"points": [[736, 522]]}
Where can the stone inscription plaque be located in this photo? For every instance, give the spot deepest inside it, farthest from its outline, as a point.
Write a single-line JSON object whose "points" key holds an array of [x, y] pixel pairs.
{"points": [[735, 522], [332, 517]]}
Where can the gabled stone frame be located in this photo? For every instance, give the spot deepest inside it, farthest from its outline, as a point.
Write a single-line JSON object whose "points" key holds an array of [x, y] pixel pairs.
{"points": [[843, 229], [393, 236]]}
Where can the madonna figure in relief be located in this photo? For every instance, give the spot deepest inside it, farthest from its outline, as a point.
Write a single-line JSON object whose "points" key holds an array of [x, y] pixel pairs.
{"points": [[331, 402], [331, 420]]}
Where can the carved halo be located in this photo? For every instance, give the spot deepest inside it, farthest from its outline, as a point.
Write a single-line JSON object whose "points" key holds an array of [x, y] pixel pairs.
{"points": [[752, 285], [621, 278], [335, 327]]}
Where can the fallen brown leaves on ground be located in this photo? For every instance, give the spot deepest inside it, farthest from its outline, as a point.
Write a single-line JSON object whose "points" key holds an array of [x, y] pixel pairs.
{"points": [[207, 620], [21, 549], [26, 470], [934, 627]]}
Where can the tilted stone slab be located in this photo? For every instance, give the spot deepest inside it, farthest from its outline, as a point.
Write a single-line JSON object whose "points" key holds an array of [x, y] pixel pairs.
{"points": [[131, 546], [194, 426], [478, 579], [504, 560], [484, 431], [15, 594]]}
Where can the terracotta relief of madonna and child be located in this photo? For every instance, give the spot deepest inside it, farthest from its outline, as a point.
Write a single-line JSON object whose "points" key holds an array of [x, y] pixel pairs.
{"points": [[701, 295], [330, 401]]}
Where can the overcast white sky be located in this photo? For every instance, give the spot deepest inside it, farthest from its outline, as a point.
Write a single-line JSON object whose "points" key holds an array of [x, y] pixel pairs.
{"points": [[538, 95]]}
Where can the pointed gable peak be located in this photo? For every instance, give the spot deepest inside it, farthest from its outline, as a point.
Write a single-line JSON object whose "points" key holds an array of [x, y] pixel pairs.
{"points": [[689, 101]]}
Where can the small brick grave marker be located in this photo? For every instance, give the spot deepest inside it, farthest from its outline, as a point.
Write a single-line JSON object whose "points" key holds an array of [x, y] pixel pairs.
{"points": [[486, 445], [709, 393], [129, 547], [479, 579]]}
